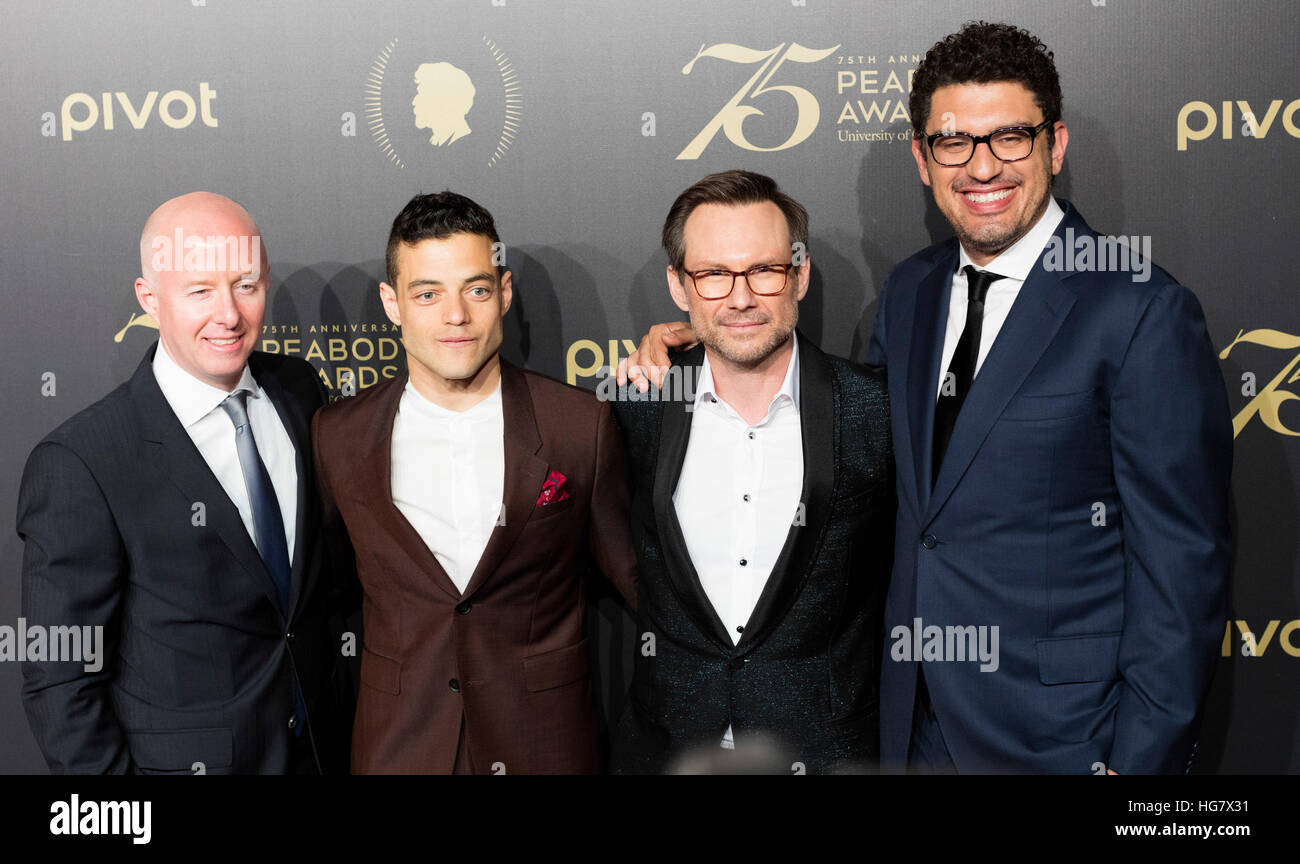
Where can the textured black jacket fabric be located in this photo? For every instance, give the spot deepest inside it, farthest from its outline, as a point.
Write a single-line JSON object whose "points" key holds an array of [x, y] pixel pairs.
{"points": [[806, 670]]}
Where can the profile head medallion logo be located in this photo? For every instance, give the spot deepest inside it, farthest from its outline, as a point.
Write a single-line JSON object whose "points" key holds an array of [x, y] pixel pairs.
{"points": [[443, 103]]}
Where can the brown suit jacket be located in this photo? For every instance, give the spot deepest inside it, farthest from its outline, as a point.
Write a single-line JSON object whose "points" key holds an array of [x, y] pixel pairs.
{"points": [[510, 654]]}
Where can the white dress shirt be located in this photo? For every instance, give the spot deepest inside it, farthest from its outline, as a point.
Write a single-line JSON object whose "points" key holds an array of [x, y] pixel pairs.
{"points": [[1014, 265], [738, 494], [449, 471], [197, 405]]}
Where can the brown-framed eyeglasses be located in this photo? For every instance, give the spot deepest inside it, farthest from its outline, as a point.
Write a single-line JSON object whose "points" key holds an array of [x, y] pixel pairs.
{"points": [[766, 280]]}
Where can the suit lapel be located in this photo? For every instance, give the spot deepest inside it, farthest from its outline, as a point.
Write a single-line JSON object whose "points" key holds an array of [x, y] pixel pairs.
{"points": [[674, 435], [1037, 313], [372, 479], [819, 432], [525, 473], [929, 323], [296, 425], [185, 466]]}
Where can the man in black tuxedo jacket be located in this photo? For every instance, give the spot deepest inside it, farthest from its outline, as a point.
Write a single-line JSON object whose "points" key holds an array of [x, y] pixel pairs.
{"points": [[762, 510], [178, 515]]}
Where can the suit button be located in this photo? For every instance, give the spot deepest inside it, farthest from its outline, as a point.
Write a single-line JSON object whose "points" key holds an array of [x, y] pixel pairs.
{"points": [[738, 663], [293, 722], [463, 609], [454, 685], [929, 541], [288, 637]]}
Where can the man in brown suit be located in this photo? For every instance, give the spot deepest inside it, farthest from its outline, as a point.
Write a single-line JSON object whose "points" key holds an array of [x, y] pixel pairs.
{"points": [[474, 494]]}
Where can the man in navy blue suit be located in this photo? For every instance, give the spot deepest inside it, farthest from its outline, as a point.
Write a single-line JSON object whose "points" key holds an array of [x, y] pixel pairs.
{"points": [[1063, 443], [1069, 440]]}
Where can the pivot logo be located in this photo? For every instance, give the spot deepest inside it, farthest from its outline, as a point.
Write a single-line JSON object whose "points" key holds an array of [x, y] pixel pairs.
{"points": [[731, 119], [1243, 119], [176, 109], [599, 363], [1252, 644]]}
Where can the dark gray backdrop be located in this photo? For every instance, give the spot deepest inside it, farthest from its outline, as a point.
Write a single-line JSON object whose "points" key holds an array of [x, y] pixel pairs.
{"points": [[561, 151]]}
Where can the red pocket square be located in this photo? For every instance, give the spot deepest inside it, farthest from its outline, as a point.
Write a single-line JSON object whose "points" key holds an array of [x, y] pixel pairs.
{"points": [[553, 490]]}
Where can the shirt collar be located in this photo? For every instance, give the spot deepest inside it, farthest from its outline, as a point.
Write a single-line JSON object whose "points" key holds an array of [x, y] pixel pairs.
{"points": [[486, 409], [191, 399], [1018, 260], [789, 385]]}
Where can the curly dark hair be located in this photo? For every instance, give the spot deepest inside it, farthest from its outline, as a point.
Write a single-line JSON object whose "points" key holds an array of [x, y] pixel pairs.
{"points": [[982, 53], [433, 216]]}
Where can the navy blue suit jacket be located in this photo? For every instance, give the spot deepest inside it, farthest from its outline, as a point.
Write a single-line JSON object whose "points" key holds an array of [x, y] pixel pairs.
{"points": [[1099, 392], [201, 661]]}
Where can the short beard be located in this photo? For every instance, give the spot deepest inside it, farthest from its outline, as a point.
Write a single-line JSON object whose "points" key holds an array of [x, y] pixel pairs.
{"points": [[996, 244], [991, 245], [750, 355]]}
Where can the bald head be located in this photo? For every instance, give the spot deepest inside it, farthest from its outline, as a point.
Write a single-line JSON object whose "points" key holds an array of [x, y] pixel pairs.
{"points": [[195, 215], [204, 282]]}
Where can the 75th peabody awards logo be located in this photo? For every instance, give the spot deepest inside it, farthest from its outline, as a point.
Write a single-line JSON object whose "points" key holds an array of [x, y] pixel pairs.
{"points": [[1266, 401], [446, 102], [870, 92]]}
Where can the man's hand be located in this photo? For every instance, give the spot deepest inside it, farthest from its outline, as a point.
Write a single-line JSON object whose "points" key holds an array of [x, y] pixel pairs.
{"points": [[648, 364]]}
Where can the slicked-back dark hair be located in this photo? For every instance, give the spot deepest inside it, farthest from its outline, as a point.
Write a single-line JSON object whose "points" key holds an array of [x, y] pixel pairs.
{"points": [[433, 216], [982, 53], [731, 188]]}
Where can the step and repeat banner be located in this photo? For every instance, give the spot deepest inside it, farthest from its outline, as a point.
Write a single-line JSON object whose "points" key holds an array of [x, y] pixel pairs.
{"points": [[577, 123]]}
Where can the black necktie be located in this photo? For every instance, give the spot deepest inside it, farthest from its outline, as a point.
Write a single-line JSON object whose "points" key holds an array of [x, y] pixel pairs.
{"points": [[961, 371]]}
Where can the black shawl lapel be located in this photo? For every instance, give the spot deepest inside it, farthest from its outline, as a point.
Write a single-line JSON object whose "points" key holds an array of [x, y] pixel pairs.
{"points": [[820, 434], [674, 435]]}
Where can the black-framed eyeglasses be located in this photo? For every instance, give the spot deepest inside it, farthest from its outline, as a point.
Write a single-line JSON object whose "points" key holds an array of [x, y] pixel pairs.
{"points": [[766, 280], [1008, 144]]}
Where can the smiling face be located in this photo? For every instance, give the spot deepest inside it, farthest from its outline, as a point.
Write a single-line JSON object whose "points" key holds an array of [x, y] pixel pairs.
{"points": [[208, 292], [743, 328], [990, 203], [449, 302]]}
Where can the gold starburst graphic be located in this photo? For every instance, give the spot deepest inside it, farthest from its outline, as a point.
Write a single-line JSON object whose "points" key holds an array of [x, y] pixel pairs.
{"points": [[514, 100], [375, 106]]}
